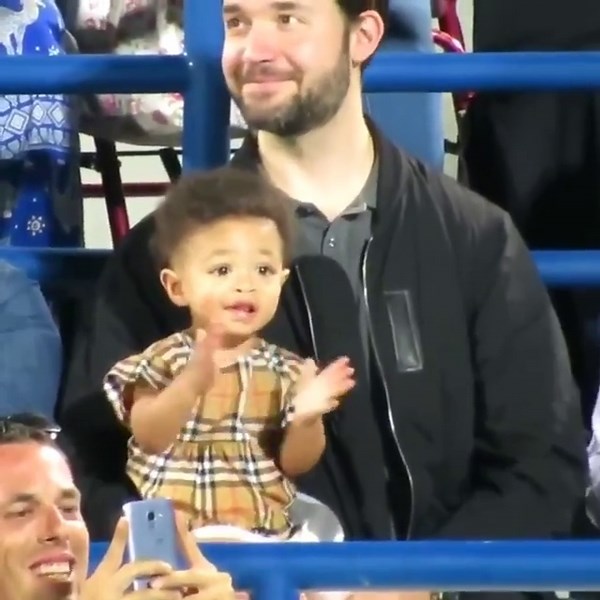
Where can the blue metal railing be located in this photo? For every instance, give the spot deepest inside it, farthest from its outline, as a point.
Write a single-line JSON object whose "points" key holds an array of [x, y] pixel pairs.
{"points": [[389, 71], [206, 116], [558, 268], [277, 571]]}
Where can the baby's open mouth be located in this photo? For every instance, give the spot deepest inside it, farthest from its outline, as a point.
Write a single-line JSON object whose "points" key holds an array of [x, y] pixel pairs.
{"points": [[242, 310]]}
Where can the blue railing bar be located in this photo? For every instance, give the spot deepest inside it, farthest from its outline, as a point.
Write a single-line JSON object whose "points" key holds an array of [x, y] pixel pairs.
{"points": [[449, 566], [57, 267], [206, 113], [558, 268], [76, 74], [274, 587], [389, 71], [569, 268], [395, 72]]}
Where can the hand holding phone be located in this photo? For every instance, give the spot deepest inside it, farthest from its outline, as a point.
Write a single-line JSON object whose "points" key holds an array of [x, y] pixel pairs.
{"points": [[152, 534], [113, 579], [115, 576]]}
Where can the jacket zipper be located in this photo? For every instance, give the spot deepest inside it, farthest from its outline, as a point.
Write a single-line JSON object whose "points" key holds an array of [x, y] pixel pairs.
{"points": [[311, 325], [387, 393], [313, 339]]}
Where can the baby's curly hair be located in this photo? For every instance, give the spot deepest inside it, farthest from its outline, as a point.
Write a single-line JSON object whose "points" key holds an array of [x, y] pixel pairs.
{"points": [[205, 197]]}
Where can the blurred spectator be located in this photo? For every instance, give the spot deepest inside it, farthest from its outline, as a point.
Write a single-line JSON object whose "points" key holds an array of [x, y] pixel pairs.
{"points": [[40, 200], [30, 347], [537, 154]]}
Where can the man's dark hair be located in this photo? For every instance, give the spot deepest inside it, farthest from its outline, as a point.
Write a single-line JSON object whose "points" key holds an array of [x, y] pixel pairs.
{"points": [[28, 427], [353, 8], [206, 197], [397, 25]]}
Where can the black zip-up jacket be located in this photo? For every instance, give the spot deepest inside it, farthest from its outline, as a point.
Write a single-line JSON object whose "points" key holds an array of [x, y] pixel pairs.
{"points": [[471, 402]]}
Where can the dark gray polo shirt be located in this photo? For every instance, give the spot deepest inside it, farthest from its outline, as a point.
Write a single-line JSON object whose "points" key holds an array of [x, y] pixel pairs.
{"points": [[342, 239]]}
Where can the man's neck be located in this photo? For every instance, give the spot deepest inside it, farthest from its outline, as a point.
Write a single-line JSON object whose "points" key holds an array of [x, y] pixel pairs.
{"points": [[327, 167]]}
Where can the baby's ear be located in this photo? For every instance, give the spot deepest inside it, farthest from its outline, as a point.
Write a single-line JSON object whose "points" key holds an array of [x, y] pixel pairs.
{"points": [[172, 285], [284, 275]]}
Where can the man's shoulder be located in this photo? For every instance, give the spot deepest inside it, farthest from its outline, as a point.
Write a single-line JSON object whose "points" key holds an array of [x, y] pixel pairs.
{"points": [[465, 208], [435, 197], [471, 225]]}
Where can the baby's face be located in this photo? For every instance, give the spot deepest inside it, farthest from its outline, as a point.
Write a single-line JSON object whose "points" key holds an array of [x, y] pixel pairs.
{"points": [[230, 273]]}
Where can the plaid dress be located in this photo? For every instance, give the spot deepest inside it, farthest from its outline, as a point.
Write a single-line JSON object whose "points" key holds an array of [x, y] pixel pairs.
{"points": [[221, 468]]}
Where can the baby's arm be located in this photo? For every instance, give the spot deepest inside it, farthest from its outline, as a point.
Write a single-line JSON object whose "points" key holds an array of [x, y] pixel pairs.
{"points": [[312, 395], [158, 416], [154, 401], [302, 447]]}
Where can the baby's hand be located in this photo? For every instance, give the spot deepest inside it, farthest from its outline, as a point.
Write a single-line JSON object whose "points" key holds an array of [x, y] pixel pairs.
{"points": [[319, 392], [201, 368]]}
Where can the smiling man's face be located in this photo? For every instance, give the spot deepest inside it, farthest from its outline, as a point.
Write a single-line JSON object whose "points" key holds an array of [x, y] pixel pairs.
{"points": [[44, 543]]}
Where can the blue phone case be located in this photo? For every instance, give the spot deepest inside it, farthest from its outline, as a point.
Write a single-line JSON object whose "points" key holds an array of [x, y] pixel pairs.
{"points": [[152, 533]]}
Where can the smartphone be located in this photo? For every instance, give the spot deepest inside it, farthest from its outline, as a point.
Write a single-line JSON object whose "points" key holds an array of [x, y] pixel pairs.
{"points": [[152, 533]]}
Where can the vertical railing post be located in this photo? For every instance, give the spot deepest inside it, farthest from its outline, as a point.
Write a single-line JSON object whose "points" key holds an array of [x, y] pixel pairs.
{"points": [[206, 112], [275, 586]]}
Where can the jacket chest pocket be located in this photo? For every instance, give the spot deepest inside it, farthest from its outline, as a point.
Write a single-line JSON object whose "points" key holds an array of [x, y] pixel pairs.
{"points": [[405, 331]]}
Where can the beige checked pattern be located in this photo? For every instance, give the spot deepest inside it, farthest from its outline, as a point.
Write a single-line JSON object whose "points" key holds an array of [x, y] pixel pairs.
{"points": [[221, 469]]}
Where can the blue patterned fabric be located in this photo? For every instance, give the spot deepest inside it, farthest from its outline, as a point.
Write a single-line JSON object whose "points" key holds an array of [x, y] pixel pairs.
{"points": [[40, 202]]}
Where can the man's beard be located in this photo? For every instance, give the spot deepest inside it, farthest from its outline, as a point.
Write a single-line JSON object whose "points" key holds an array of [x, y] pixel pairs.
{"points": [[303, 112]]}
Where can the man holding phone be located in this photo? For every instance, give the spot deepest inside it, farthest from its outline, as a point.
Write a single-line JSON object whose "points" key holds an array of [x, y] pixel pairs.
{"points": [[44, 542]]}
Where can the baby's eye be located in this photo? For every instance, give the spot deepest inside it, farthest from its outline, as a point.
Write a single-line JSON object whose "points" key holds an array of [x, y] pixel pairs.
{"points": [[221, 271], [266, 270]]}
